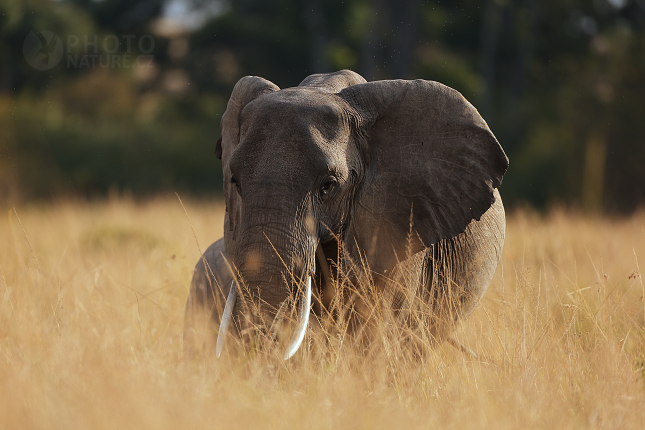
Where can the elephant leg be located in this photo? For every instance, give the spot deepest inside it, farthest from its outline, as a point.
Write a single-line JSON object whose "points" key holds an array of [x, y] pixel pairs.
{"points": [[459, 270], [431, 290], [208, 291]]}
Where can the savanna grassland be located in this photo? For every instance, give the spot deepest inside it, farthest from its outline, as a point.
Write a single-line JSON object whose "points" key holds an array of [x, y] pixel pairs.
{"points": [[91, 314]]}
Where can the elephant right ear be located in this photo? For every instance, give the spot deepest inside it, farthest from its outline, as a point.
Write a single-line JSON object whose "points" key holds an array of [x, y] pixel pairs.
{"points": [[246, 90], [218, 148], [432, 167]]}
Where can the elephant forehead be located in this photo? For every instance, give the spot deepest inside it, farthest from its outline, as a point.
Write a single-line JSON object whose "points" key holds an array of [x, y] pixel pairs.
{"points": [[293, 157], [296, 113]]}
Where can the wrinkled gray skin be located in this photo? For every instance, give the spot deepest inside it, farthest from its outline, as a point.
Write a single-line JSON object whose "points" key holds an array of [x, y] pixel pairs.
{"points": [[405, 172]]}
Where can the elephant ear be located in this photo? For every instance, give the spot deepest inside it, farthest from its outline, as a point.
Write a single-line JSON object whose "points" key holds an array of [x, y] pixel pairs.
{"points": [[333, 82], [432, 167], [246, 90]]}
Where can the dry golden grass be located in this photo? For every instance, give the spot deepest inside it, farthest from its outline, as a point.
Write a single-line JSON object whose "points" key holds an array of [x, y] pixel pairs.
{"points": [[91, 316]]}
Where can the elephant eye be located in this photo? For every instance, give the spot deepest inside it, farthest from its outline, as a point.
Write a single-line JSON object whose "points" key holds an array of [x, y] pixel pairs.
{"points": [[327, 187]]}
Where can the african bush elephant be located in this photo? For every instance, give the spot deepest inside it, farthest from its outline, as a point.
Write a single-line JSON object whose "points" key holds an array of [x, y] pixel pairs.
{"points": [[403, 173]]}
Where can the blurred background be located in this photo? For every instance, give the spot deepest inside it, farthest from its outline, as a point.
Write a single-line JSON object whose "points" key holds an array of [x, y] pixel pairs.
{"points": [[101, 97]]}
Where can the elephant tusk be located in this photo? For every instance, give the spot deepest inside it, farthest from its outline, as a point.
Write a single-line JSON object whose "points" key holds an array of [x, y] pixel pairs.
{"points": [[226, 318], [301, 325]]}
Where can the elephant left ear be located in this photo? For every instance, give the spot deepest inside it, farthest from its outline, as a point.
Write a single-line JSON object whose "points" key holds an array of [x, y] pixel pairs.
{"points": [[432, 167]]}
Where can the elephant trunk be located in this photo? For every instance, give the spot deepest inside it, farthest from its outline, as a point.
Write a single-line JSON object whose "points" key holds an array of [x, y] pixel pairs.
{"points": [[301, 322], [272, 265]]}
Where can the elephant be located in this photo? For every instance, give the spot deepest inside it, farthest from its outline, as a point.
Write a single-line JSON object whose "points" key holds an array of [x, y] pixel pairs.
{"points": [[390, 176]]}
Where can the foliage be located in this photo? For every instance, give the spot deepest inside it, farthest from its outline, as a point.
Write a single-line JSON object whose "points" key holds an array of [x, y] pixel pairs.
{"points": [[561, 84], [70, 141]]}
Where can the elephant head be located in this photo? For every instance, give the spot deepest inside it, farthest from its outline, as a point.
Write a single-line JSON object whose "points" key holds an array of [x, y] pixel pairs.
{"points": [[387, 166]]}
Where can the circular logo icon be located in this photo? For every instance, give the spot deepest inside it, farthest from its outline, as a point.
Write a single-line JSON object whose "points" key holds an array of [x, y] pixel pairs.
{"points": [[42, 49]]}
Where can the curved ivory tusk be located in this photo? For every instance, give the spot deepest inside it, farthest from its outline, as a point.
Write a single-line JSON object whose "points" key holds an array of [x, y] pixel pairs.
{"points": [[226, 318], [301, 325]]}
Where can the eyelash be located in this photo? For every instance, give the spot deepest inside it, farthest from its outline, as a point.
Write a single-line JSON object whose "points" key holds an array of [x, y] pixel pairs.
{"points": [[327, 187]]}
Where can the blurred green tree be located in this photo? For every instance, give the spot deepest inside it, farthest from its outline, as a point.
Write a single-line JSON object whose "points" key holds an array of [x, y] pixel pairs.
{"points": [[560, 82], [91, 129]]}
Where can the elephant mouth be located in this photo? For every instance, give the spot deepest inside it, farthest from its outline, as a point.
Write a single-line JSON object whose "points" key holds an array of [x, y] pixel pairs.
{"points": [[301, 323]]}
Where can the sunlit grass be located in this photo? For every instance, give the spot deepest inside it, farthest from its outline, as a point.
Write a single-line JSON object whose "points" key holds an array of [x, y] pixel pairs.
{"points": [[91, 316]]}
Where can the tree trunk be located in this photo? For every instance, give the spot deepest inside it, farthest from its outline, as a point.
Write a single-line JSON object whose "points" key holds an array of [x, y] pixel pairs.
{"points": [[317, 39], [404, 33], [487, 53]]}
